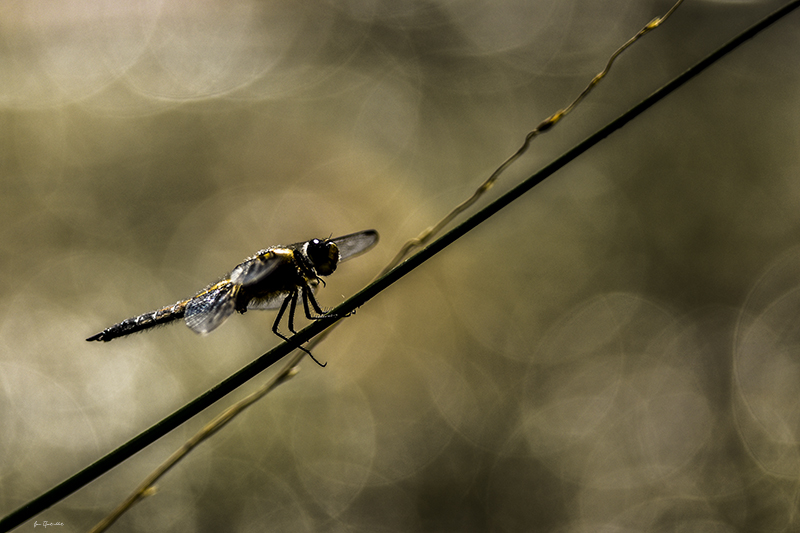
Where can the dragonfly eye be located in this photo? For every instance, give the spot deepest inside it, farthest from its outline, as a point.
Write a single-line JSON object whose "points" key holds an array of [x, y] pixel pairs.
{"points": [[324, 255]]}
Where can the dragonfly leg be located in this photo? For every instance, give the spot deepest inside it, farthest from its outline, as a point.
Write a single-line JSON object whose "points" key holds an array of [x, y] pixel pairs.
{"points": [[281, 312], [290, 299], [308, 296], [292, 311], [290, 302]]}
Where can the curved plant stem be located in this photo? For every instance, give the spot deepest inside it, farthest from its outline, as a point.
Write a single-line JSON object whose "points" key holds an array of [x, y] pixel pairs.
{"points": [[289, 369], [546, 124]]}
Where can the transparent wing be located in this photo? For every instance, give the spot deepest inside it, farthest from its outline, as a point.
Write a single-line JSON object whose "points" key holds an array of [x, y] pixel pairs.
{"points": [[273, 301], [209, 309], [255, 269], [355, 243]]}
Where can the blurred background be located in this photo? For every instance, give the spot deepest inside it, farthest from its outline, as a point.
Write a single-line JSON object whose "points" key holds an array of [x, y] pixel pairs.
{"points": [[618, 350]]}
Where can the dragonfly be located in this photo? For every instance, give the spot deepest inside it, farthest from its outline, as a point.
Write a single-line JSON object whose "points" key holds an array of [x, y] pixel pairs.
{"points": [[273, 278]]}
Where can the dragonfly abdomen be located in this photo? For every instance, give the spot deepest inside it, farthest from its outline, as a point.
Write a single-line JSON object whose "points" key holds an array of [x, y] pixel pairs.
{"points": [[152, 319]]}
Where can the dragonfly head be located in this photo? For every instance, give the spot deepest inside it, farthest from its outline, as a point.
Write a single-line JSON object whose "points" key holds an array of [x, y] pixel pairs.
{"points": [[324, 255]]}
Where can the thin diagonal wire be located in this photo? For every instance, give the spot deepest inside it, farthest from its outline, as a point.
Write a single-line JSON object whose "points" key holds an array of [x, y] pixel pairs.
{"points": [[545, 125], [212, 427], [150, 435]]}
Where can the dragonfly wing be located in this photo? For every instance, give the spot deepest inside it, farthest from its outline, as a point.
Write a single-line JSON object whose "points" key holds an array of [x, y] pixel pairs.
{"points": [[209, 309], [355, 243], [274, 301], [255, 269]]}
